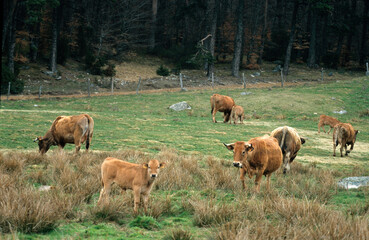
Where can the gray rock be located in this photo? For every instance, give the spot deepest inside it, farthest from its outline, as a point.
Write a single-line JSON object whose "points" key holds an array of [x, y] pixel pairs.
{"points": [[257, 74], [246, 93], [277, 68], [340, 112], [354, 182], [330, 74], [180, 106]]}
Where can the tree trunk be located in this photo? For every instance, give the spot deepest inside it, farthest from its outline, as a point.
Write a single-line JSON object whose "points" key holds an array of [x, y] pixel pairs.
{"points": [[54, 41], [291, 39], [263, 33], [213, 32], [238, 40], [8, 12], [363, 53], [352, 31], [11, 40], [153, 24], [312, 48]]}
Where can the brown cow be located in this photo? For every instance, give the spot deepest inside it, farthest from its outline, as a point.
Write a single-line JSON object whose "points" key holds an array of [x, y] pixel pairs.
{"points": [[327, 120], [290, 143], [137, 177], [344, 134], [237, 113], [223, 104], [68, 129], [260, 156]]}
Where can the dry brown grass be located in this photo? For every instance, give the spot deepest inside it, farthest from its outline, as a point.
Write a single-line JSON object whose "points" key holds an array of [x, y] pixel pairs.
{"points": [[207, 188]]}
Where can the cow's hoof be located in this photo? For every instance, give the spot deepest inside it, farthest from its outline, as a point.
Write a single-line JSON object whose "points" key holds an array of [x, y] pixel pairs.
{"points": [[334, 155]]}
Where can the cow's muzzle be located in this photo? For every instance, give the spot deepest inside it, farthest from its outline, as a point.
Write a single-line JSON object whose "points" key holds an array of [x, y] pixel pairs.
{"points": [[237, 164], [154, 175]]}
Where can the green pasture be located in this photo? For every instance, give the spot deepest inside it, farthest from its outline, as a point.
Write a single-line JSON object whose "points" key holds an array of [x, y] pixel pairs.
{"points": [[145, 123]]}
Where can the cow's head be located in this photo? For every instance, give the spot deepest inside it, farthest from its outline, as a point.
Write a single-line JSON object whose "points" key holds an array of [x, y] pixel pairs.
{"points": [[356, 132], [302, 140], [43, 144], [240, 152], [153, 168]]}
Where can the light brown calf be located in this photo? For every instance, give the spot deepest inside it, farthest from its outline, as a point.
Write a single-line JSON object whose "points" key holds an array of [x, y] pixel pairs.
{"points": [[223, 104], [237, 114], [137, 177], [259, 156], [344, 134], [68, 129], [327, 120], [290, 143]]}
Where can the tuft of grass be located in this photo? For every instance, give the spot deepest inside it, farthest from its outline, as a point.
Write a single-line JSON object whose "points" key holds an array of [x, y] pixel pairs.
{"points": [[178, 234], [145, 222]]}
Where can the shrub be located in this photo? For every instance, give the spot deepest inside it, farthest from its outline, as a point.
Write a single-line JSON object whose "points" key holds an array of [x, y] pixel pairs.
{"points": [[145, 222], [178, 234], [16, 85], [162, 71], [94, 64]]}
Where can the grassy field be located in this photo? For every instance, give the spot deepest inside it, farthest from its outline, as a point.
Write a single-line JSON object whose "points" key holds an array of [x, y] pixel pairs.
{"points": [[199, 192]]}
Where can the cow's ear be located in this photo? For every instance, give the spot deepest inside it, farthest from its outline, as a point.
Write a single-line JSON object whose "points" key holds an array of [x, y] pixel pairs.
{"points": [[162, 165], [145, 165], [229, 146], [356, 132], [302, 140], [249, 147]]}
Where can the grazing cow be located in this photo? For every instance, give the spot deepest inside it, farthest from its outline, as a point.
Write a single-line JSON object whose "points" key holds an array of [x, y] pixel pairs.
{"points": [[290, 143], [223, 104], [327, 120], [237, 113], [137, 177], [259, 156], [344, 134], [68, 129]]}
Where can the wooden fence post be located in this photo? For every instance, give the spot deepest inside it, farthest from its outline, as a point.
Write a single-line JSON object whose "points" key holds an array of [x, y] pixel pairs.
{"points": [[282, 81], [138, 86], [180, 80], [7, 96], [112, 85], [244, 81], [212, 80], [89, 87], [322, 74], [39, 92]]}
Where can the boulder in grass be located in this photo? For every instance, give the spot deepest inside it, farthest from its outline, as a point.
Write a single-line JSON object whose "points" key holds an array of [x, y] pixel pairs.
{"points": [[354, 182], [180, 106]]}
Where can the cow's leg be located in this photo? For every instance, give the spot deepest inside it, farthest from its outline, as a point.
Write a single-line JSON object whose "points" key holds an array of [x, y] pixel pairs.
{"points": [[334, 149], [259, 175], [286, 162], [136, 197], [104, 194], [343, 144], [268, 181], [145, 198], [242, 177], [330, 128], [214, 112], [346, 152], [227, 115], [241, 118]]}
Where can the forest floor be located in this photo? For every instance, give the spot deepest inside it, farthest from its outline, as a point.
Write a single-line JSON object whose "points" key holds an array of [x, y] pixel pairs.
{"points": [[72, 78]]}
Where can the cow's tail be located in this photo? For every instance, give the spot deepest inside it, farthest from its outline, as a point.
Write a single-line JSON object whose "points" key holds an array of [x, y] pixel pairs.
{"points": [[89, 131], [284, 132], [212, 104]]}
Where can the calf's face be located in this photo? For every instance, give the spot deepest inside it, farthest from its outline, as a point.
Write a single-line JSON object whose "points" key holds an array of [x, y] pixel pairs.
{"points": [[153, 168], [240, 152]]}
